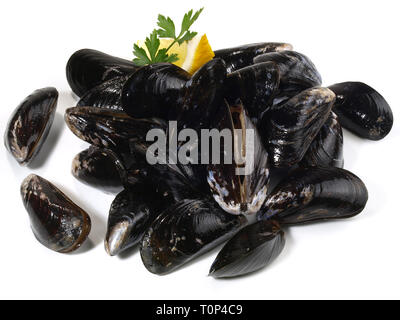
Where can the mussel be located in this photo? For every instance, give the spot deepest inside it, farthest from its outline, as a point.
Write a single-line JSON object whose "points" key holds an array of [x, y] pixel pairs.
{"points": [[294, 68], [326, 150], [89, 68], [154, 91], [239, 57], [57, 222], [313, 194], [204, 93], [100, 168], [239, 179], [105, 95], [288, 130], [30, 124], [109, 129], [183, 232], [252, 248], [131, 214], [362, 110], [255, 86]]}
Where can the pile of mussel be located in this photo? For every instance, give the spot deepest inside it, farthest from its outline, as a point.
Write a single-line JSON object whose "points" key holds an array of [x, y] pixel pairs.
{"points": [[178, 211]]}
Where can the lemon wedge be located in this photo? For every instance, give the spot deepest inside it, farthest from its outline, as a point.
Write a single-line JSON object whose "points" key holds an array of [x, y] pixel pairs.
{"points": [[192, 54]]}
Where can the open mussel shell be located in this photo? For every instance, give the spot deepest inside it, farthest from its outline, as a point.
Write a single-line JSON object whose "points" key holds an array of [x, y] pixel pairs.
{"points": [[288, 130], [314, 194], [326, 150], [89, 68], [131, 214], [183, 232], [30, 124], [252, 248], [362, 110], [239, 180], [239, 57], [204, 93], [294, 68], [154, 91], [100, 168], [105, 95], [255, 85], [57, 222], [109, 129]]}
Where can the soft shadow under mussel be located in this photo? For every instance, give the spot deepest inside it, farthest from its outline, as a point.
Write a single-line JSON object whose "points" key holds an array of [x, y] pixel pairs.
{"points": [[252, 248], [362, 110], [240, 57], [314, 194], [239, 179], [57, 222], [288, 130], [89, 68], [185, 231], [30, 124]]}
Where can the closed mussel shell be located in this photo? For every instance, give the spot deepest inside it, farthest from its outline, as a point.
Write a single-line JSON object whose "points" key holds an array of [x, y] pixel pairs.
{"points": [[239, 57], [239, 180], [100, 168], [255, 86], [314, 194], [326, 150], [131, 214], [185, 231], [288, 130], [362, 110], [294, 67], [89, 68], [109, 129], [252, 248], [30, 124], [105, 95], [57, 222], [154, 91]]}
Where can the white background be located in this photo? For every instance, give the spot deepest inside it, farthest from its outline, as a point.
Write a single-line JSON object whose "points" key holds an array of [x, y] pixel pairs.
{"points": [[347, 40]]}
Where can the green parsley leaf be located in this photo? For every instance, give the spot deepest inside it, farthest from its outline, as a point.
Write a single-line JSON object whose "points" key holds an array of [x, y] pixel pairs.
{"points": [[167, 27]]}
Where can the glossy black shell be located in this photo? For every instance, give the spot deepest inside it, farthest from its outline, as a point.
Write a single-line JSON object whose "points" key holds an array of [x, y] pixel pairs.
{"points": [[314, 194], [154, 91], [89, 68], [239, 57], [30, 124], [57, 222], [362, 110]]}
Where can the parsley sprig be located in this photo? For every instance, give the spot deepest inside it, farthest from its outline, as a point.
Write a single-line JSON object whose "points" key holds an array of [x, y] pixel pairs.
{"points": [[167, 30]]}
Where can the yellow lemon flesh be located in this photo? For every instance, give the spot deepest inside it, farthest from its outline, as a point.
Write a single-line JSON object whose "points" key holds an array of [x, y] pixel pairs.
{"points": [[192, 54]]}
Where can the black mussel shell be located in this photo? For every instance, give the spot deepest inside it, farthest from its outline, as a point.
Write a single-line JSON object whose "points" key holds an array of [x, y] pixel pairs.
{"points": [[131, 214], [100, 168], [362, 110], [314, 194], [239, 184], [57, 222], [89, 68], [326, 150], [294, 68], [30, 123], [105, 95], [154, 91], [252, 248], [109, 129], [255, 86], [185, 231], [239, 57], [204, 93], [286, 92], [289, 129]]}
